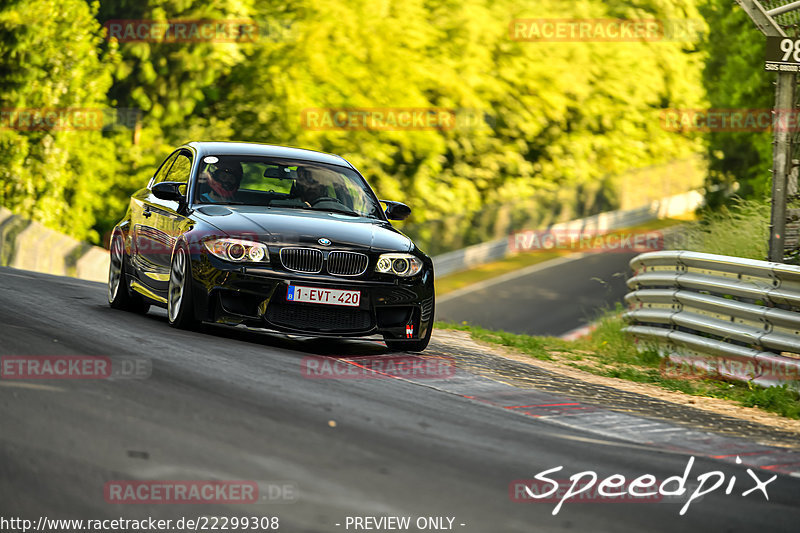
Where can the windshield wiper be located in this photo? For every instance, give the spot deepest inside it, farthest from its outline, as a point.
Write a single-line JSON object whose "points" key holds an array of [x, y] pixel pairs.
{"points": [[335, 210], [290, 206], [251, 204], [221, 203], [325, 210]]}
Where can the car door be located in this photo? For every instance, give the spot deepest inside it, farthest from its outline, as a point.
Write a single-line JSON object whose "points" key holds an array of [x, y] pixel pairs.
{"points": [[171, 215], [142, 245], [158, 223]]}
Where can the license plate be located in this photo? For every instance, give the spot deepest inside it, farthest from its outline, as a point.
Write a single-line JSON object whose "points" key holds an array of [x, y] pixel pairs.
{"points": [[315, 295]]}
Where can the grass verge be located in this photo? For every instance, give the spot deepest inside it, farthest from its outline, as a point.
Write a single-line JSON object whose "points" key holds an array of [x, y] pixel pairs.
{"points": [[741, 230], [609, 352]]}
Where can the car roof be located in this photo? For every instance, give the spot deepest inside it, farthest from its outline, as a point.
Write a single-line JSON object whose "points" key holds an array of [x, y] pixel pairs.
{"points": [[266, 150]]}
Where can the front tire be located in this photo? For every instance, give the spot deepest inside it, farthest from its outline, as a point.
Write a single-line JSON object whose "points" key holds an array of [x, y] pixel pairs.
{"points": [[411, 346], [180, 304], [119, 294]]}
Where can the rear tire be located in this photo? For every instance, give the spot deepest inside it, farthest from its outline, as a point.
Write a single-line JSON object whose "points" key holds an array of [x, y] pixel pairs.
{"points": [[120, 295], [180, 304]]}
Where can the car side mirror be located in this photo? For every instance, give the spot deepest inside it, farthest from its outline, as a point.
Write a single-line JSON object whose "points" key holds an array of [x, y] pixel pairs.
{"points": [[168, 190], [396, 210]]}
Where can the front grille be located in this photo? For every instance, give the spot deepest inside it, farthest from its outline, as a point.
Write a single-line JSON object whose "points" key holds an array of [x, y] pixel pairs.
{"points": [[301, 259], [347, 263], [319, 318]]}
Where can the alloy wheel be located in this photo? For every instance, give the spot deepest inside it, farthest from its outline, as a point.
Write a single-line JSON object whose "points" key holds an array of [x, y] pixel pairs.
{"points": [[115, 269], [177, 281]]}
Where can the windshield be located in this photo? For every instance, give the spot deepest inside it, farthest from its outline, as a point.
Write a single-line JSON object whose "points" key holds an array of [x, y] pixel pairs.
{"points": [[247, 180]]}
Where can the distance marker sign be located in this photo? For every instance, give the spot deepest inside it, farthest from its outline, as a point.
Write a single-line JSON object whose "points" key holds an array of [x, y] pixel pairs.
{"points": [[782, 54]]}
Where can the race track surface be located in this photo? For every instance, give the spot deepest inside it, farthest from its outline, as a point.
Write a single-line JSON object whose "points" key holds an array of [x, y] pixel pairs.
{"points": [[550, 300], [231, 404]]}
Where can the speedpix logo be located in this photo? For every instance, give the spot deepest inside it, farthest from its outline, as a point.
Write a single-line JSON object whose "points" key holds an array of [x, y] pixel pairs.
{"points": [[643, 488]]}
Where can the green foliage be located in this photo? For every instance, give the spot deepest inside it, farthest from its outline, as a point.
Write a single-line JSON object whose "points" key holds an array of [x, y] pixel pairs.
{"points": [[174, 82], [50, 59], [734, 78], [780, 399], [545, 127], [557, 129], [537, 347], [740, 230]]}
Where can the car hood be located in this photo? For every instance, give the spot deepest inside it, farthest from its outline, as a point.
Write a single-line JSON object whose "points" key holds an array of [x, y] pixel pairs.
{"points": [[283, 227]]}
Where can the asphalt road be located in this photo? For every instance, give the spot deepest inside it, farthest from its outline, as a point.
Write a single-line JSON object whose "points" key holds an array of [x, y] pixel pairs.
{"points": [[551, 299], [230, 404]]}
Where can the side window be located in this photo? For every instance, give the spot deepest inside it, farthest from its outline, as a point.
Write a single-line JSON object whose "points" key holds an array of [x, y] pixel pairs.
{"points": [[182, 168], [165, 166]]}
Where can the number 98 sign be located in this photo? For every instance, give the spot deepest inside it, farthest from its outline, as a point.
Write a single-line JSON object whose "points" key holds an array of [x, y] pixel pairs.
{"points": [[782, 54]]}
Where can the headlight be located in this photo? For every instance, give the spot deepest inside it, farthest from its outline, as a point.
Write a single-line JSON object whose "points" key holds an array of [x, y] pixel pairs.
{"points": [[403, 265], [238, 250]]}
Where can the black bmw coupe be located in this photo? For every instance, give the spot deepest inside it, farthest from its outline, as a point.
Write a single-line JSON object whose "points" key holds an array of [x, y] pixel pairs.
{"points": [[279, 238]]}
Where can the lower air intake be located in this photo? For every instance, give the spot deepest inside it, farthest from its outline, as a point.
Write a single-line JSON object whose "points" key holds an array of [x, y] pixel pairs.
{"points": [[319, 318]]}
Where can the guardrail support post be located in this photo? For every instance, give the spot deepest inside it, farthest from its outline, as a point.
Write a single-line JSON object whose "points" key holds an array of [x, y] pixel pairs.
{"points": [[781, 159]]}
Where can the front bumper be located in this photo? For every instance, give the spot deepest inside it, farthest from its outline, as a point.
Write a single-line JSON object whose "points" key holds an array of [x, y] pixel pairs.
{"points": [[396, 308]]}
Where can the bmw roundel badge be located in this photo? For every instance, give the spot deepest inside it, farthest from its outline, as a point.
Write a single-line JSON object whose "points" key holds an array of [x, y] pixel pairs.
{"points": [[324, 242]]}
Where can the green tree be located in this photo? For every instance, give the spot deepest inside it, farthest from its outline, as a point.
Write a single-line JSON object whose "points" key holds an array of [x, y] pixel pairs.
{"points": [[552, 122], [563, 117], [50, 59], [734, 78]]}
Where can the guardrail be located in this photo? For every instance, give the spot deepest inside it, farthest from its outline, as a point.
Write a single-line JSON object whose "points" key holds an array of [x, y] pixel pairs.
{"points": [[725, 316]]}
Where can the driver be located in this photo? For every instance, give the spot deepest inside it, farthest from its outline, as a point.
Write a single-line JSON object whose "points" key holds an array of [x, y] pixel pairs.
{"points": [[224, 181], [309, 189]]}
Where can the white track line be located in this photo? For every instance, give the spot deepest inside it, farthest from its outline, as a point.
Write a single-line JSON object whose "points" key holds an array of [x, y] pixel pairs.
{"points": [[509, 276]]}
